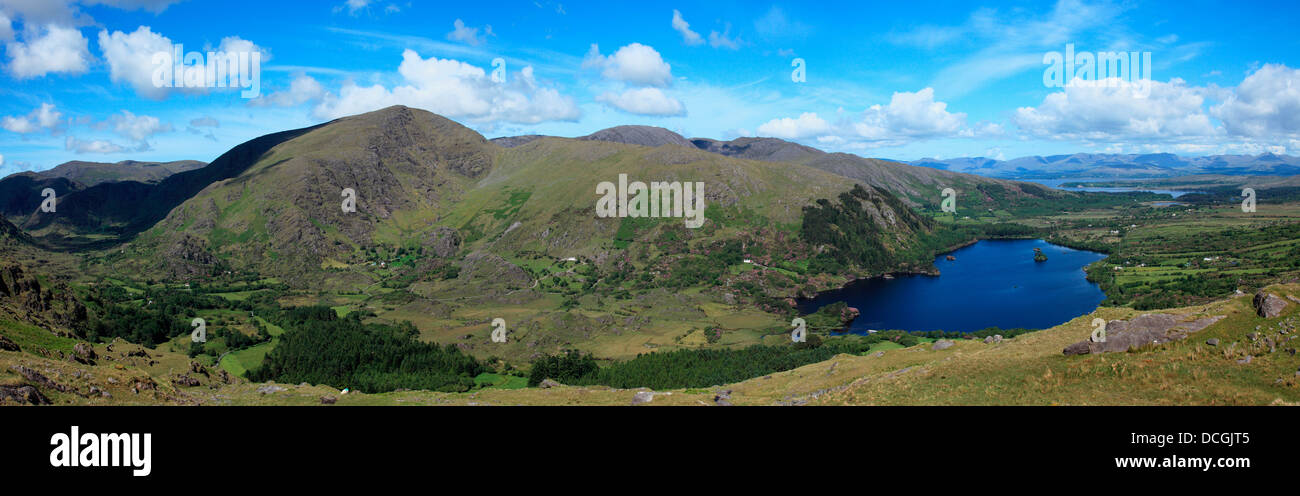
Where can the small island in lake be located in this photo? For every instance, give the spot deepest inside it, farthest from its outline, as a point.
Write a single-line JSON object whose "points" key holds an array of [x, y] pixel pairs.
{"points": [[1039, 256], [951, 258]]}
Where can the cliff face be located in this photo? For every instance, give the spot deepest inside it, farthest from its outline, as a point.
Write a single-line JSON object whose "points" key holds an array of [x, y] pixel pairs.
{"points": [[25, 298]]}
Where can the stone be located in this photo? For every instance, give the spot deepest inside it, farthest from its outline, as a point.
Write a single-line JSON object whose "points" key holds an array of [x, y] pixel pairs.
{"points": [[1246, 360], [270, 389], [994, 339], [547, 384], [328, 400], [1252, 336], [642, 397], [1268, 305], [1212, 341], [942, 344], [1142, 330], [22, 395], [7, 345]]}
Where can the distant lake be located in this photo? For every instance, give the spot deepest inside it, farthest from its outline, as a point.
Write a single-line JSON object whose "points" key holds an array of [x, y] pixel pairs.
{"points": [[1056, 184], [993, 283]]}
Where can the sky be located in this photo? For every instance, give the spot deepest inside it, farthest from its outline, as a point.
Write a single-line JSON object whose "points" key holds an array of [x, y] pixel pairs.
{"points": [[79, 79]]}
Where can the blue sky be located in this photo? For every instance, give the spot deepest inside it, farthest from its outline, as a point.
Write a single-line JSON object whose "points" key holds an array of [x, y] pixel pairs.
{"points": [[901, 80]]}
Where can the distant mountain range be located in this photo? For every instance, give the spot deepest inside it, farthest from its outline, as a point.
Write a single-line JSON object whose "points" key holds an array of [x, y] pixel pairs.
{"points": [[1109, 165]]}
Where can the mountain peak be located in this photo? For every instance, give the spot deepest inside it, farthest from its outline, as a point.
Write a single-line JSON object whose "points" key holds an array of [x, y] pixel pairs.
{"points": [[638, 135]]}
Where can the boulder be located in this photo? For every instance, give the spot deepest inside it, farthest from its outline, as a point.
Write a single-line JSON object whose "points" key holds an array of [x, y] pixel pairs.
{"points": [[547, 384], [942, 344], [1268, 305], [1212, 341], [22, 395], [328, 400], [994, 339], [847, 315], [643, 397], [7, 345], [1145, 329], [270, 389], [84, 353]]}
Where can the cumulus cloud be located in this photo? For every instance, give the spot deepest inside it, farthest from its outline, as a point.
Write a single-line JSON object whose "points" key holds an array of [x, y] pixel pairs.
{"points": [[137, 128], [644, 101], [909, 116], [454, 89], [807, 125], [1265, 105], [635, 63], [468, 35], [1115, 109], [75, 145], [681, 26], [130, 58], [43, 117], [301, 90], [55, 49]]}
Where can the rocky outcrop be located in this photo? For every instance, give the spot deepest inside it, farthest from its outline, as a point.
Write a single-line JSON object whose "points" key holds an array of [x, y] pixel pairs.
{"points": [[638, 135], [23, 395], [1268, 305], [1145, 329], [847, 315], [188, 256], [443, 241], [481, 266], [7, 345], [45, 305], [942, 344]]}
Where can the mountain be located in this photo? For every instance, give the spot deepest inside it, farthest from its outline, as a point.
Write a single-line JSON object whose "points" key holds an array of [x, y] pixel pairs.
{"points": [[638, 135], [93, 173], [429, 185], [1102, 165]]}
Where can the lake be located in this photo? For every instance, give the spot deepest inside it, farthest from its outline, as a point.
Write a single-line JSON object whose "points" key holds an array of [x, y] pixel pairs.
{"points": [[992, 283], [1056, 184]]}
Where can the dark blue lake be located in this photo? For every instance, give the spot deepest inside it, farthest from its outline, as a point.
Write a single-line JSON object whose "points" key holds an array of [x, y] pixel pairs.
{"points": [[994, 283]]}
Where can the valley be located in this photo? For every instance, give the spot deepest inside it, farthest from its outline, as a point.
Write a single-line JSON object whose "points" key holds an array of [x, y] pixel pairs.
{"points": [[394, 302]]}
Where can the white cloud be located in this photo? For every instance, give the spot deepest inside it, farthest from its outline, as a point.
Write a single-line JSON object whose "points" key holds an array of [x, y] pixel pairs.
{"points": [[56, 50], [1265, 105], [468, 35], [137, 128], [353, 6], [1114, 109], [130, 58], [454, 89], [776, 25], [303, 89], [644, 101], [724, 39], [6, 28], [807, 125], [681, 26], [634, 63], [75, 145], [43, 117], [909, 115]]}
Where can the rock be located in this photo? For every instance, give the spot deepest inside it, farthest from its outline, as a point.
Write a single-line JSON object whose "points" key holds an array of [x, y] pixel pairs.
{"points": [[643, 397], [328, 400], [877, 354], [198, 368], [1267, 305], [444, 241], [270, 389], [847, 314], [1212, 341], [547, 384], [185, 380], [942, 344], [1246, 360], [1142, 330], [994, 339], [722, 398], [7, 345], [1252, 336], [22, 395], [39, 379]]}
